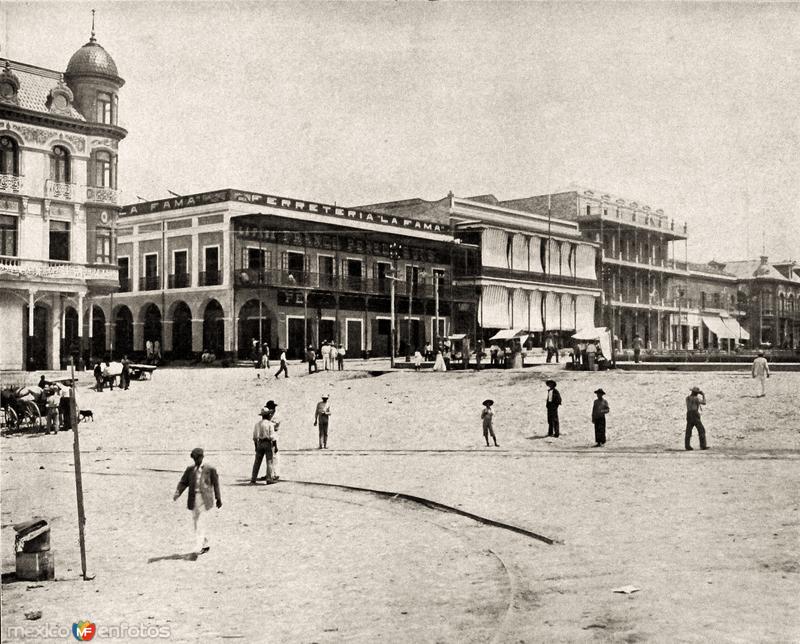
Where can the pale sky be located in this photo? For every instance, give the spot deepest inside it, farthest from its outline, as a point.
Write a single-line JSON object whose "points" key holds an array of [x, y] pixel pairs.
{"points": [[693, 108]]}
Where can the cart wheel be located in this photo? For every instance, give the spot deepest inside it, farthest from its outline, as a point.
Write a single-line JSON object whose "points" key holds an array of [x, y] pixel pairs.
{"points": [[11, 421]]}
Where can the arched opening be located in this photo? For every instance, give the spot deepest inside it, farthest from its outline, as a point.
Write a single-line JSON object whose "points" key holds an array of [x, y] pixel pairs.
{"points": [[152, 325], [123, 331], [38, 348], [98, 345], [181, 331], [213, 328], [71, 346], [254, 324]]}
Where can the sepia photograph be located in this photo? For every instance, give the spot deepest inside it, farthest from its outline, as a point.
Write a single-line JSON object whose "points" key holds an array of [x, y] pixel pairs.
{"points": [[397, 321]]}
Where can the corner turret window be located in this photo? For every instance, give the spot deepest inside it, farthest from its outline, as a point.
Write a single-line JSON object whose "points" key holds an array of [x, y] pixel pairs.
{"points": [[105, 170], [60, 165], [9, 156], [105, 112]]}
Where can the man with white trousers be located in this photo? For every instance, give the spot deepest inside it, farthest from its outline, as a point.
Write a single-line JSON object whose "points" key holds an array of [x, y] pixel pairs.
{"points": [[761, 371]]}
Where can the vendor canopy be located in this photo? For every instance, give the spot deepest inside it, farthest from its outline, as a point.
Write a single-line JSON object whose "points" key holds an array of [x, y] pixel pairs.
{"points": [[598, 334], [737, 329], [508, 334], [717, 327]]}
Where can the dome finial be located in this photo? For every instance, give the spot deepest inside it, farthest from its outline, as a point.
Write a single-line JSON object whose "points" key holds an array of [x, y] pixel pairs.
{"points": [[92, 39]]}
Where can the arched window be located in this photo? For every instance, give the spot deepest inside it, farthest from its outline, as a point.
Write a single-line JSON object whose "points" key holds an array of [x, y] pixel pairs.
{"points": [[105, 170], [9, 156], [105, 113], [60, 165]]}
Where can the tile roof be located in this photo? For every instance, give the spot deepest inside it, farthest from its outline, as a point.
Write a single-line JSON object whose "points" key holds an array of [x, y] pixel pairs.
{"points": [[747, 268], [35, 84]]}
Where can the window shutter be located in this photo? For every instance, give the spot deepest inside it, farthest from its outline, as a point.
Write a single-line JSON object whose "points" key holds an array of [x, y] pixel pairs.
{"points": [[284, 261]]}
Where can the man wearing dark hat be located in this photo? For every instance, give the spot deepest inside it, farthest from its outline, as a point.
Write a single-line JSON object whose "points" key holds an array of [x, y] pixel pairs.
{"points": [[203, 484], [553, 402], [599, 410], [693, 403], [311, 357], [321, 417], [761, 371], [263, 435], [487, 415]]}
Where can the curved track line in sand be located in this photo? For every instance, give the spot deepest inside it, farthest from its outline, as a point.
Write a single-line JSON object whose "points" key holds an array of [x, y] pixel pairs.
{"points": [[434, 505]]}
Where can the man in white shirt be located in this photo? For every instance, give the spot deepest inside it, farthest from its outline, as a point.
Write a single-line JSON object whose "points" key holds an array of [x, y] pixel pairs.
{"points": [[283, 367], [325, 350], [263, 435], [761, 371]]}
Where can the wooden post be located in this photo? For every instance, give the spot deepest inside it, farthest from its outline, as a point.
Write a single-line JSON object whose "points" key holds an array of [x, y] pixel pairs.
{"points": [[73, 407]]}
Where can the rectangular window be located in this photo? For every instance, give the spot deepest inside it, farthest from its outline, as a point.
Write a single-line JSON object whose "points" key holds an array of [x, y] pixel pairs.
{"points": [[325, 265], [412, 276], [59, 240], [210, 275], [124, 274], [8, 235], [103, 246], [151, 265], [384, 269], [104, 108], [255, 259], [180, 269]]}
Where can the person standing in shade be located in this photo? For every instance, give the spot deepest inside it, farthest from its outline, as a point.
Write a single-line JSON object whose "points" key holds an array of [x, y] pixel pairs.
{"points": [[693, 403], [282, 369], [125, 378], [599, 410], [487, 416], [761, 371], [340, 358], [334, 355], [591, 352], [553, 403], [311, 358], [263, 435], [203, 484], [637, 347], [321, 417]]}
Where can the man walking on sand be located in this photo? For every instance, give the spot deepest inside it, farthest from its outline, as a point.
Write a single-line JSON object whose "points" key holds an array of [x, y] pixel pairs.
{"points": [[283, 367], [761, 371], [203, 484], [263, 436], [321, 418], [553, 402], [599, 410], [693, 403]]}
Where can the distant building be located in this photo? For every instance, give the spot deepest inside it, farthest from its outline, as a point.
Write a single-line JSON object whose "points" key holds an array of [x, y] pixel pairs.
{"points": [[531, 274], [769, 293], [59, 138], [647, 290], [226, 270]]}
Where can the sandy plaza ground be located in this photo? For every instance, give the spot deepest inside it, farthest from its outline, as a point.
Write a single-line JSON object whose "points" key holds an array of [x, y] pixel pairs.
{"points": [[710, 539]]}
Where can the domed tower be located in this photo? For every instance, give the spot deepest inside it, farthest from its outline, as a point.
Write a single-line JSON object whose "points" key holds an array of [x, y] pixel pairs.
{"points": [[92, 76]]}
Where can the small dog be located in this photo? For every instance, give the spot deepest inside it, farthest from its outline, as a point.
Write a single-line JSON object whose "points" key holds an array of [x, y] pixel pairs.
{"points": [[85, 414]]}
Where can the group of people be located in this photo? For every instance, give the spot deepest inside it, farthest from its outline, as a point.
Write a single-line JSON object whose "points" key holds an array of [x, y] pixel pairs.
{"points": [[586, 355], [331, 355], [152, 351], [105, 374]]}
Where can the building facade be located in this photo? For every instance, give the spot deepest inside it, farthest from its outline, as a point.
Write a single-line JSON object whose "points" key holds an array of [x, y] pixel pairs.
{"points": [[649, 288], [222, 270], [59, 140], [531, 274]]}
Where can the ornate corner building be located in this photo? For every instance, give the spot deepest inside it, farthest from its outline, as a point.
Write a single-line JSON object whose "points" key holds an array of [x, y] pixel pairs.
{"points": [[59, 140]]}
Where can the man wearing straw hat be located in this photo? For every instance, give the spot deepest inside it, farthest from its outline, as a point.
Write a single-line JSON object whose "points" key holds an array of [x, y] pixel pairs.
{"points": [[487, 415], [263, 435], [599, 410], [322, 415], [203, 484], [693, 403]]}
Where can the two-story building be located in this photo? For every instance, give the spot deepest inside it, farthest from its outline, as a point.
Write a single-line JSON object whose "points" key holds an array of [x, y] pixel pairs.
{"points": [[221, 270], [59, 139], [531, 274]]}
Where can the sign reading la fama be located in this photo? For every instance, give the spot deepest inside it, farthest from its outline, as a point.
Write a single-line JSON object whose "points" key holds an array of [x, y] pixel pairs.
{"points": [[296, 205]]}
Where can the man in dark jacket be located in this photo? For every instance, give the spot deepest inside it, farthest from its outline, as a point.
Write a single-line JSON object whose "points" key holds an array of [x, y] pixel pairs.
{"points": [[693, 403], [599, 410], [203, 484], [553, 402]]}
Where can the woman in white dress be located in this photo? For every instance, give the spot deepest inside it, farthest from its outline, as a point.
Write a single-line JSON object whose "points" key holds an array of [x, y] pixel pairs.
{"points": [[439, 365]]}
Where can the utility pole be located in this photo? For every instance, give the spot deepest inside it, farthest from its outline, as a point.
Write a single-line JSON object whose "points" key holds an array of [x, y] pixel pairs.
{"points": [[73, 413], [394, 252], [436, 310]]}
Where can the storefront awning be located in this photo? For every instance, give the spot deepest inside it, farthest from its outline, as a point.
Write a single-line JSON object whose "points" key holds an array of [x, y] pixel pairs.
{"points": [[508, 334], [717, 327], [738, 331], [457, 336]]}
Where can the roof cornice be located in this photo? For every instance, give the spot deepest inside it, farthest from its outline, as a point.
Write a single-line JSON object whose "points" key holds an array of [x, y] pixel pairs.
{"points": [[61, 122]]}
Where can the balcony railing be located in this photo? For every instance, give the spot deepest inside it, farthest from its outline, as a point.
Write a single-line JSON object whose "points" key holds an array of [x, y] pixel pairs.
{"points": [[150, 283], [52, 270], [102, 195], [11, 183], [209, 278], [63, 191], [179, 280], [254, 278], [651, 220]]}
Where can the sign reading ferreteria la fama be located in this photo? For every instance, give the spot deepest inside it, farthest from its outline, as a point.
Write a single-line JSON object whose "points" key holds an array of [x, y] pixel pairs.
{"points": [[296, 205]]}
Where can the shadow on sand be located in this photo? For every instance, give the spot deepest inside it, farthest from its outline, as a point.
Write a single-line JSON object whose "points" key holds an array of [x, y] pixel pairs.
{"points": [[188, 556]]}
